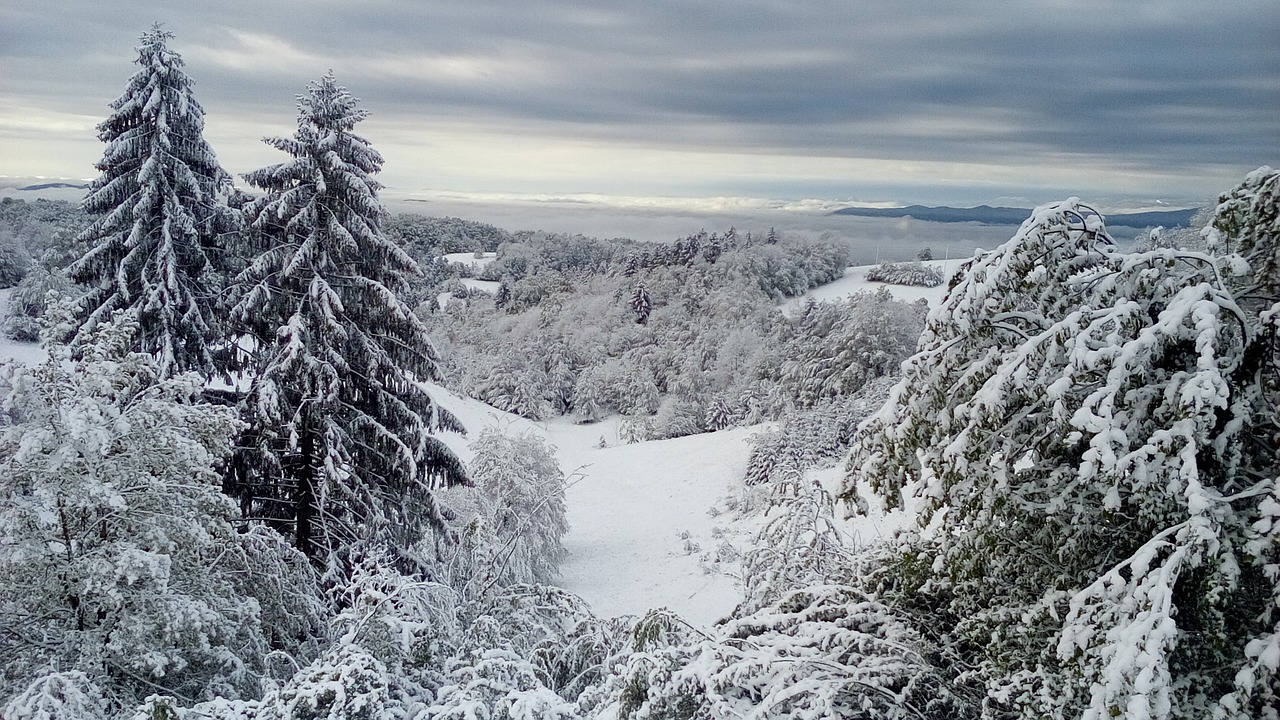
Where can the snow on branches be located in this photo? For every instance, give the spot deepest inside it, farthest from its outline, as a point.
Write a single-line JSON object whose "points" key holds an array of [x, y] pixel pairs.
{"points": [[341, 444], [118, 557], [161, 210], [821, 652], [1089, 433]]}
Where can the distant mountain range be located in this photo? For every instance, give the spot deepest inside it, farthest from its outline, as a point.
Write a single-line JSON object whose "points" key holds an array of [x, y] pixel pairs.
{"points": [[988, 215], [54, 186]]}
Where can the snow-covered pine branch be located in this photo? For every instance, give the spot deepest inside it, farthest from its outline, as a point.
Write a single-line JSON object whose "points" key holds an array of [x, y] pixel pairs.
{"points": [[1091, 436]]}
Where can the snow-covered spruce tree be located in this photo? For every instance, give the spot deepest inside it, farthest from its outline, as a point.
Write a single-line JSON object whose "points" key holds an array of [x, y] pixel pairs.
{"points": [[118, 556], [641, 303], [162, 218], [340, 445], [1091, 439]]}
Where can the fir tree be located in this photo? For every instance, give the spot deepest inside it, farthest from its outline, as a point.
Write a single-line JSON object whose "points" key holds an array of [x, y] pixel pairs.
{"points": [[161, 202], [502, 298], [341, 443], [719, 415], [641, 303]]}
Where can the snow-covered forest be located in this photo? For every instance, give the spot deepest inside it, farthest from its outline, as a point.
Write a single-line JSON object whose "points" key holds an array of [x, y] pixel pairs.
{"points": [[243, 479]]}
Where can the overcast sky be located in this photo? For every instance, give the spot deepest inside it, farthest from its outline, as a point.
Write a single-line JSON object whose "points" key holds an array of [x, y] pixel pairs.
{"points": [[958, 102]]}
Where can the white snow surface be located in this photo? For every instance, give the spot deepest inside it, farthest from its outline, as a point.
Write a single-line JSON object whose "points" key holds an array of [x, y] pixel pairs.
{"points": [[489, 286], [638, 511]]}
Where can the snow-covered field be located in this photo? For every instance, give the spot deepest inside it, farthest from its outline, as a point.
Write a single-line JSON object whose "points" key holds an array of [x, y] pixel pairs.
{"points": [[489, 286], [855, 280], [469, 258], [647, 520]]}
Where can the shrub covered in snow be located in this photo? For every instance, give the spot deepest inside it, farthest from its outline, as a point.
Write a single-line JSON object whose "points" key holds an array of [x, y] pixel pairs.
{"points": [[821, 652], [516, 515], [118, 556], [58, 695], [906, 273], [813, 437]]}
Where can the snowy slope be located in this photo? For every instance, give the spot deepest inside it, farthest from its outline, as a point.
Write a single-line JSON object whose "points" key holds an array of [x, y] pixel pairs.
{"points": [[644, 518], [637, 512], [10, 350]]}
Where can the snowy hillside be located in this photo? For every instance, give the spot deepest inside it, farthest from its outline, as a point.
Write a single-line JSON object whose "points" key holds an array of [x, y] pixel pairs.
{"points": [[647, 520], [636, 512]]}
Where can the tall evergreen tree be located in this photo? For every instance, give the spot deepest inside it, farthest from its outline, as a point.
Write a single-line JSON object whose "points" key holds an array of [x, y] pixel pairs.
{"points": [[341, 445], [161, 207], [641, 303]]}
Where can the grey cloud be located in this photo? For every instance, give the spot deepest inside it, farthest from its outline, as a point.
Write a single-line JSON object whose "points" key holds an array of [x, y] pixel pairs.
{"points": [[1154, 84]]}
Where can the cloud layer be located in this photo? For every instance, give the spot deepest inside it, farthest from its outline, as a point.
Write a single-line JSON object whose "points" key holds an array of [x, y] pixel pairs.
{"points": [[953, 102]]}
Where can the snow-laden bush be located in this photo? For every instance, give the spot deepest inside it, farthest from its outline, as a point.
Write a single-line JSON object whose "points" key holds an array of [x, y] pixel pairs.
{"points": [[409, 624], [822, 652], [56, 696], [813, 437], [676, 417], [529, 652], [118, 556], [24, 318], [510, 525], [799, 546], [568, 647], [497, 685], [906, 273], [347, 683]]}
